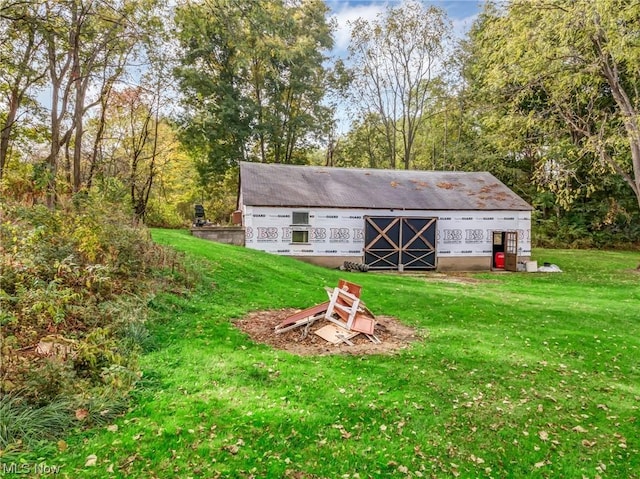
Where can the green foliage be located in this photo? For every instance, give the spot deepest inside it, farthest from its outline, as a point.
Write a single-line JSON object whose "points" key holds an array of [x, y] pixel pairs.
{"points": [[163, 215], [221, 197], [364, 146], [554, 86], [104, 408], [253, 80], [47, 380], [544, 118], [73, 293]]}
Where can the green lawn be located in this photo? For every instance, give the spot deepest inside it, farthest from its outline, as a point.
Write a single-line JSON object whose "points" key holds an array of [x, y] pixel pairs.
{"points": [[517, 375]]}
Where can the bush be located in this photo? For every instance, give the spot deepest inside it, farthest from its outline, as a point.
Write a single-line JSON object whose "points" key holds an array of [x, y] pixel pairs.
{"points": [[72, 299]]}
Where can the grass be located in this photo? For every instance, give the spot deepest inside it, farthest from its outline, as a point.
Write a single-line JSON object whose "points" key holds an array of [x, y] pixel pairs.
{"points": [[516, 375], [32, 424]]}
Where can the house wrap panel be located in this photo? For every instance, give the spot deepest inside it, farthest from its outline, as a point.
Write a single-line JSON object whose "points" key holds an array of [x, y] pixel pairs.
{"points": [[340, 232]]}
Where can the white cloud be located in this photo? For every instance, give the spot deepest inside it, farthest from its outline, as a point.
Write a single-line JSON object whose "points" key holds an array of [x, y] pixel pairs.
{"points": [[349, 13], [461, 26]]}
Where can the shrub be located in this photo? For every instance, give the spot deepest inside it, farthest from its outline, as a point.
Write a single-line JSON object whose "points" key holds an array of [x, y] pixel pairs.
{"points": [[74, 280]]}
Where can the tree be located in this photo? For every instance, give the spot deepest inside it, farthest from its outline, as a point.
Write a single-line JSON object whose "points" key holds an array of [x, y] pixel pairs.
{"points": [[21, 67], [73, 49], [564, 76], [253, 80], [395, 58], [364, 146]]}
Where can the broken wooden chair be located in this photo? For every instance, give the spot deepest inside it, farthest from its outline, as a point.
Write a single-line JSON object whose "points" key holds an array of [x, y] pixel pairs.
{"points": [[344, 309]]}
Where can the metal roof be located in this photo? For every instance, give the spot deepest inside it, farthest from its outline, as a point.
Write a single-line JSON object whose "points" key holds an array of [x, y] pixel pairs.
{"points": [[263, 184]]}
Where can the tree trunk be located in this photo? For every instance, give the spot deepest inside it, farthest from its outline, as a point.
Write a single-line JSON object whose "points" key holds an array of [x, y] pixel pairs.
{"points": [[5, 133], [629, 113]]}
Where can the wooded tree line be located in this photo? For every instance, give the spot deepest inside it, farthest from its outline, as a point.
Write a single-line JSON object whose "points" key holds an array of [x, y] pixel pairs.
{"points": [[158, 105], [83, 91]]}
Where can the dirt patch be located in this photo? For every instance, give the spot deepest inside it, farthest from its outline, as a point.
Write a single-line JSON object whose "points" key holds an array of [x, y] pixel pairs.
{"points": [[260, 326]]}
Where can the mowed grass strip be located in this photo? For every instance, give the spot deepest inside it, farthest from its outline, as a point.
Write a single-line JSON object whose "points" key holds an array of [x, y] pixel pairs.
{"points": [[514, 375]]}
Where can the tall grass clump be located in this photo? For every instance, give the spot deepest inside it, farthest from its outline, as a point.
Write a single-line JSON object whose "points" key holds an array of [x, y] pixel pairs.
{"points": [[29, 423]]}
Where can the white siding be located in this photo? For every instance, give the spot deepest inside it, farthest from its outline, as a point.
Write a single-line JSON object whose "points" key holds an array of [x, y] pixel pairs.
{"points": [[340, 232]]}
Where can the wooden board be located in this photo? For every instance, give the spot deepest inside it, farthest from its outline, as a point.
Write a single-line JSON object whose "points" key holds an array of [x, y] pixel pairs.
{"points": [[335, 334], [301, 322], [363, 324], [305, 313], [354, 289]]}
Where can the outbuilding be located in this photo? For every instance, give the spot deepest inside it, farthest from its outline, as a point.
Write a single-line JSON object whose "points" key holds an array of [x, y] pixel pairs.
{"points": [[388, 219]]}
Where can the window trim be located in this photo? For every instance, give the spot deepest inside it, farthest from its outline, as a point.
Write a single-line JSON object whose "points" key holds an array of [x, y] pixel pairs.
{"points": [[305, 239]]}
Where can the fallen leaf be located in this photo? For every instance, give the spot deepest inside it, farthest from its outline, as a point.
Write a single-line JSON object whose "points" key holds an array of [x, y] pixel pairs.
{"points": [[587, 443], [81, 414], [233, 449], [112, 427], [543, 435], [579, 429], [62, 446], [128, 461], [92, 459], [110, 468], [403, 469], [540, 464]]}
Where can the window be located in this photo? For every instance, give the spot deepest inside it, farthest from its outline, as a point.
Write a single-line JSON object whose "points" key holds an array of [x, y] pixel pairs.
{"points": [[300, 218], [300, 227], [299, 236]]}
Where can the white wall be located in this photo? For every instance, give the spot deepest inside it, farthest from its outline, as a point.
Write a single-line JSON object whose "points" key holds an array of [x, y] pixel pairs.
{"points": [[340, 232]]}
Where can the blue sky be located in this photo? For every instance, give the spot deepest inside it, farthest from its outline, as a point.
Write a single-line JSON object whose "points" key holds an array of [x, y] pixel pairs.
{"points": [[460, 12]]}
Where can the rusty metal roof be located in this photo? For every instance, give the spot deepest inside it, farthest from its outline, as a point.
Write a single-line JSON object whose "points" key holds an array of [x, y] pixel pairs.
{"points": [[263, 184]]}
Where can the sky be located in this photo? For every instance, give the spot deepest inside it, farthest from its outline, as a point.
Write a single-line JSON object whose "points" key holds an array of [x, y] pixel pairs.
{"points": [[462, 13]]}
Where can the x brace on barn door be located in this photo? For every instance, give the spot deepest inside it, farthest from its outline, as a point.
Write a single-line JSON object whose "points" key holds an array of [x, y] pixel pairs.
{"points": [[382, 252], [419, 250], [400, 242]]}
